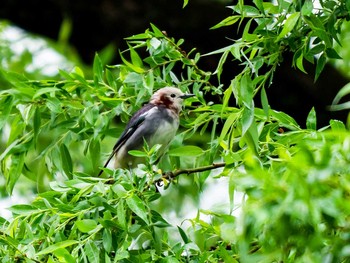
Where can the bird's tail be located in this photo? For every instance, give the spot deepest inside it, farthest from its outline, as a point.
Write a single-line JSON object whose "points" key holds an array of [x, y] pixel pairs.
{"points": [[106, 164]]}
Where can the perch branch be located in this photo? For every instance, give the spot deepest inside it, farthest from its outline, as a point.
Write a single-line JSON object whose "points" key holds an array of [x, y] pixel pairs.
{"points": [[173, 174]]}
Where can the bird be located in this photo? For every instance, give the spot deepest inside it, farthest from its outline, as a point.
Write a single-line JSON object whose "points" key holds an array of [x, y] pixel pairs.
{"points": [[155, 123]]}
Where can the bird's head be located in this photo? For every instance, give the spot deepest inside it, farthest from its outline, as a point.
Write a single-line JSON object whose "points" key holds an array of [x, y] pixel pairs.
{"points": [[170, 97]]}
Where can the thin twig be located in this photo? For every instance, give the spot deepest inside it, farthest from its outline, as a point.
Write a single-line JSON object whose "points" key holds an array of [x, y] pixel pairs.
{"points": [[173, 174]]}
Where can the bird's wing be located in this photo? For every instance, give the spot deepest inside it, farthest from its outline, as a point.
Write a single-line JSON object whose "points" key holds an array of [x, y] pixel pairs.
{"points": [[135, 122]]}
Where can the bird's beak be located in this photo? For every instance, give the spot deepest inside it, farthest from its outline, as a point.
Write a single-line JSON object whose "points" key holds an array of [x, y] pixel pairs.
{"points": [[185, 96]]}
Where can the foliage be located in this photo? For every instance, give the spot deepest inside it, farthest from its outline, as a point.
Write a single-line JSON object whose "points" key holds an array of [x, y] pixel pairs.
{"points": [[295, 180]]}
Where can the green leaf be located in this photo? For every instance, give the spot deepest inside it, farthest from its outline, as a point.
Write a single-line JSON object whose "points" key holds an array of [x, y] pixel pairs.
{"points": [[232, 118], [45, 90], [86, 225], [56, 246], [284, 119], [92, 252], [342, 93], [337, 125], [321, 62], [185, 3], [227, 22], [158, 220], [247, 119], [135, 58], [259, 4], [246, 90], [289, 25], [307, 8], [264, 102], [15, 171], [251, 137], [183, 235], [222, 60], [65, 30], [107, 240], [36, 124], [7, 105], [331, 53], [98, 68], [121, 214], [66, 160], [155, 43], [149, 80], [22, 209], [137, 153], [64, 256], [157, 32], [137, 206], [95, 151], [133, 67], [311, 120], [188, 150]]}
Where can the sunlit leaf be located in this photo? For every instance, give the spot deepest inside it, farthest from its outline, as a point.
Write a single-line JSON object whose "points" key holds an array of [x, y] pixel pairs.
{"points": [[92, 252], [187, 150], [341, 93], [311, 120], [98, 68], [137, 206], [56, 246], [86, 225], [228, 21]]}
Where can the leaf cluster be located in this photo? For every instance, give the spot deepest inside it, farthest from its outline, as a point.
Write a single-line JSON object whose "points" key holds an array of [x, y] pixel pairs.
{"points": [[294, 181]]}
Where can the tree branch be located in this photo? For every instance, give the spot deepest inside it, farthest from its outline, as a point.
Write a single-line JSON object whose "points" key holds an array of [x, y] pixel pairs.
{"points": [[173, 174]]}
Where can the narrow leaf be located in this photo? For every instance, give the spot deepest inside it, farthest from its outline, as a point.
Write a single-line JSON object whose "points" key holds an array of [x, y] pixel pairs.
{"points": [[92, 252], [56, 246], [137, 153], [6, 110], [157, 32], [36, 124], [133, 67], [137, 206], [264, 102], [246, 119], [98, 68], [227, 22], [15, 171], [44, 90], [321, 62], [228, 125], [66, 160], [107, 240], [337, 125], [185, 3], [289, 25], [188, 150], [341, 93], [86, 225], [311, 120], [135, 58], [183, 235]]}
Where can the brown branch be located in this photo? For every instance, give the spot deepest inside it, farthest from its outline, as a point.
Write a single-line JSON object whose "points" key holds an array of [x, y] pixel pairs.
{"points": [[173, 174]]}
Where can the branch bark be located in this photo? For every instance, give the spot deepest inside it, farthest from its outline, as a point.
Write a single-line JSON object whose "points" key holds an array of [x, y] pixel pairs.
{"points": [[173, 174]]}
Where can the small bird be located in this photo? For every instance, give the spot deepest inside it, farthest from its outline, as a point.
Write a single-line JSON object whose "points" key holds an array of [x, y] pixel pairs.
{"points": [[155, 123]]}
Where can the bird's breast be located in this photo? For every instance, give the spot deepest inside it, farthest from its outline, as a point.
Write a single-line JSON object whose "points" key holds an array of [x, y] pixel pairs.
{"points": [[165, 132]]}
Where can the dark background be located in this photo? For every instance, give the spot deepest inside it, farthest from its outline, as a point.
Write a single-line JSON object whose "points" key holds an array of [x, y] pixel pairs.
{"points": [[99, 23]]}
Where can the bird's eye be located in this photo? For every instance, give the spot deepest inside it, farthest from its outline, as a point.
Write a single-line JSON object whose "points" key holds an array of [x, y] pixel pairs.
{"points": [[173, 95]]}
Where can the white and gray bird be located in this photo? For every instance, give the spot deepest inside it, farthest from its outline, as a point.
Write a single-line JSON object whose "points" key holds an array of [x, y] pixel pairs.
{"points": [[155, 123]]}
